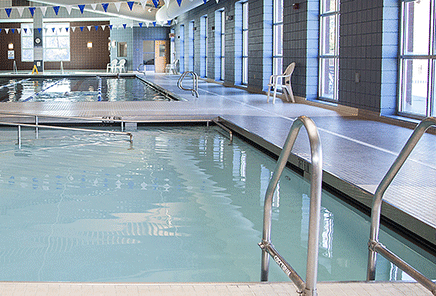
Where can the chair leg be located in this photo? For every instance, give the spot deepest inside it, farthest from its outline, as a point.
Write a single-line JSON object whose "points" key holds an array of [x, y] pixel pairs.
{"points": [[275, 94], [291, 93], [269, 92]]}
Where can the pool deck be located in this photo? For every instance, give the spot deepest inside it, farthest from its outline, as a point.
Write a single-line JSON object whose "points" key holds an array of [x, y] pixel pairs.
{"points": [[357, 152]]}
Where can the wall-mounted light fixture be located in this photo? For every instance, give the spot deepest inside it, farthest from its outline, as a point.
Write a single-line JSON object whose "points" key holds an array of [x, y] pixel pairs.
{"points": [[229, 17], [10, 46], [296, 6], [89, 45]]}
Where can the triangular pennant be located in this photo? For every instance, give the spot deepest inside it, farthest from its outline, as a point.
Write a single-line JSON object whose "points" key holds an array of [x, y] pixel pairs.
{"points": [[81, 7], [73, 29], [124, 26], [169, 23], [130, 3], [140, 25], [89, 28], [56, 9], [68, 8], [96, 28], [39, 30], [217, 1], [19, 31], [13, 30], [110, 27], [81, 28], [94, 6], [66, 29], [105, 6], [103, 27], [154, 24], [43, 9], [46, 30], [144, 3], [32, 10], [20, 10], [7, 31], [0, 30], [179, 2], [204, 1], [117, 5], [25, 30], [148, 24], [53, 29], [156, 3], [8, 11]]}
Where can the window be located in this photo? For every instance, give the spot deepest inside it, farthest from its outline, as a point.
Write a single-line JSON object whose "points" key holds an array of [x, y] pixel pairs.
{"points": [[245, 43], [203, 46], [56, 42], [278, 37], [329, 50], [191, 45], [417, 58], [182, 49], [122, 49], [27, 43]]}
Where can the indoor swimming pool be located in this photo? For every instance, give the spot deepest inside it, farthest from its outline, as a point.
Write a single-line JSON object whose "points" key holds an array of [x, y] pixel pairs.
{"points": [[78, 89], [180, 205]]}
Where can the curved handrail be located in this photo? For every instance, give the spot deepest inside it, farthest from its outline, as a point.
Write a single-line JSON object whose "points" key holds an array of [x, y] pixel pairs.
{"points": [[308, 287], [194, 89], [373, 244]]}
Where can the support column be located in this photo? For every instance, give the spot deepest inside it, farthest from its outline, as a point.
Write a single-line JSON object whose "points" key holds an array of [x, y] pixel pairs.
{"points": [[38, 29]]}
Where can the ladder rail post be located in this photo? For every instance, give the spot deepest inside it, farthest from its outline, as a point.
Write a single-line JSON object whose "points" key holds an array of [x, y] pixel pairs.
{"points": [[308, 288], [373, 244]]}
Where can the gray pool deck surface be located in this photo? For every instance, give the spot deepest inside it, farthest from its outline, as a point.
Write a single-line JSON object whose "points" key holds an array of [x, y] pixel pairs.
{"points": [[357, 152]]}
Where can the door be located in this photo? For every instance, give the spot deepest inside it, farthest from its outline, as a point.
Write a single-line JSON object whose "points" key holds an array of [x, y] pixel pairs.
{"points": [[161, 55]]}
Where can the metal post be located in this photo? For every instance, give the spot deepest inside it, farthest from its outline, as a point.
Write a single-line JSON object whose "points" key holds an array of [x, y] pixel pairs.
{"points": [[315, 204], [36, 127], [19, 137], [378, 195]]}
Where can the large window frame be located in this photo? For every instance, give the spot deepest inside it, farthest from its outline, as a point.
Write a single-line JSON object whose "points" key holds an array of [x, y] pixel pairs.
{"points": [[204, 45], [277, 37], [223, 45], [328, 82], [245, 43], [417, 59], [56, 42], [191, 49]]}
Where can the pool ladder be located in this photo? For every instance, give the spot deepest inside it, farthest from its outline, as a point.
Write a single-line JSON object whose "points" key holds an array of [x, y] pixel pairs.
{"points": [[308, 287], [374, 245], [194, 89]]}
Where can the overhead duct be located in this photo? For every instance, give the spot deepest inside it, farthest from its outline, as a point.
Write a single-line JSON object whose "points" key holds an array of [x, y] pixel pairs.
{"points": [[172, 9]]}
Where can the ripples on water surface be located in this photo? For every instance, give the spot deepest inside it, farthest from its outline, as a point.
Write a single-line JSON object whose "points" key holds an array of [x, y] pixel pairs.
{"points": [[73, 89], [182, 206]]}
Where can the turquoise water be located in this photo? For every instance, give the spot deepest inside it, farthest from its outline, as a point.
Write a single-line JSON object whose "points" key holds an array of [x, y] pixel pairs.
{"points": [[181, 206], [77, 89]]}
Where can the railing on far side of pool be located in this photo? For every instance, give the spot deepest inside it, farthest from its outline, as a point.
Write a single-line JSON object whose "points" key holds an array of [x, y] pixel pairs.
{"points": [[308, 287]]}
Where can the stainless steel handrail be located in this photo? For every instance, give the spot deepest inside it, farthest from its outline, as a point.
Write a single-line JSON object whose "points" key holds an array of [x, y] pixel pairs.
{"points": [[308, 287], [37, 126], [373, 244], [194, 89]]}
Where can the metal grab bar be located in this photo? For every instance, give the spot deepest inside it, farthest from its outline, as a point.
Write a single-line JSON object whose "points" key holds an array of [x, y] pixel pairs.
{"points": [[308, 287], [37, 126], [194, 89], [373, 244]]}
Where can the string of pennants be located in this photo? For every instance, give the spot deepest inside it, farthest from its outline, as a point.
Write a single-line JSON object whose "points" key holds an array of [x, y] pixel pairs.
{"points": [[81, 28], [81, 7]]}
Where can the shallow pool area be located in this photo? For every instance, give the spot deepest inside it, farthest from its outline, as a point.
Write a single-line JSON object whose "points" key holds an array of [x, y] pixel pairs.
{"points": [[78, 89], [181, 206]]}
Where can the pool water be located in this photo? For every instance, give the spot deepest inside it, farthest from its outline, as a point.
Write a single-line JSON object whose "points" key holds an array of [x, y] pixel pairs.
{"points": [[181, 206], [77, 89]]}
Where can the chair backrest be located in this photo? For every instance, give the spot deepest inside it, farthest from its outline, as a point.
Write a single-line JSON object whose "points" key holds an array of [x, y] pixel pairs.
{"points": [[122, 63], [289, 69], [114, 62]]}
